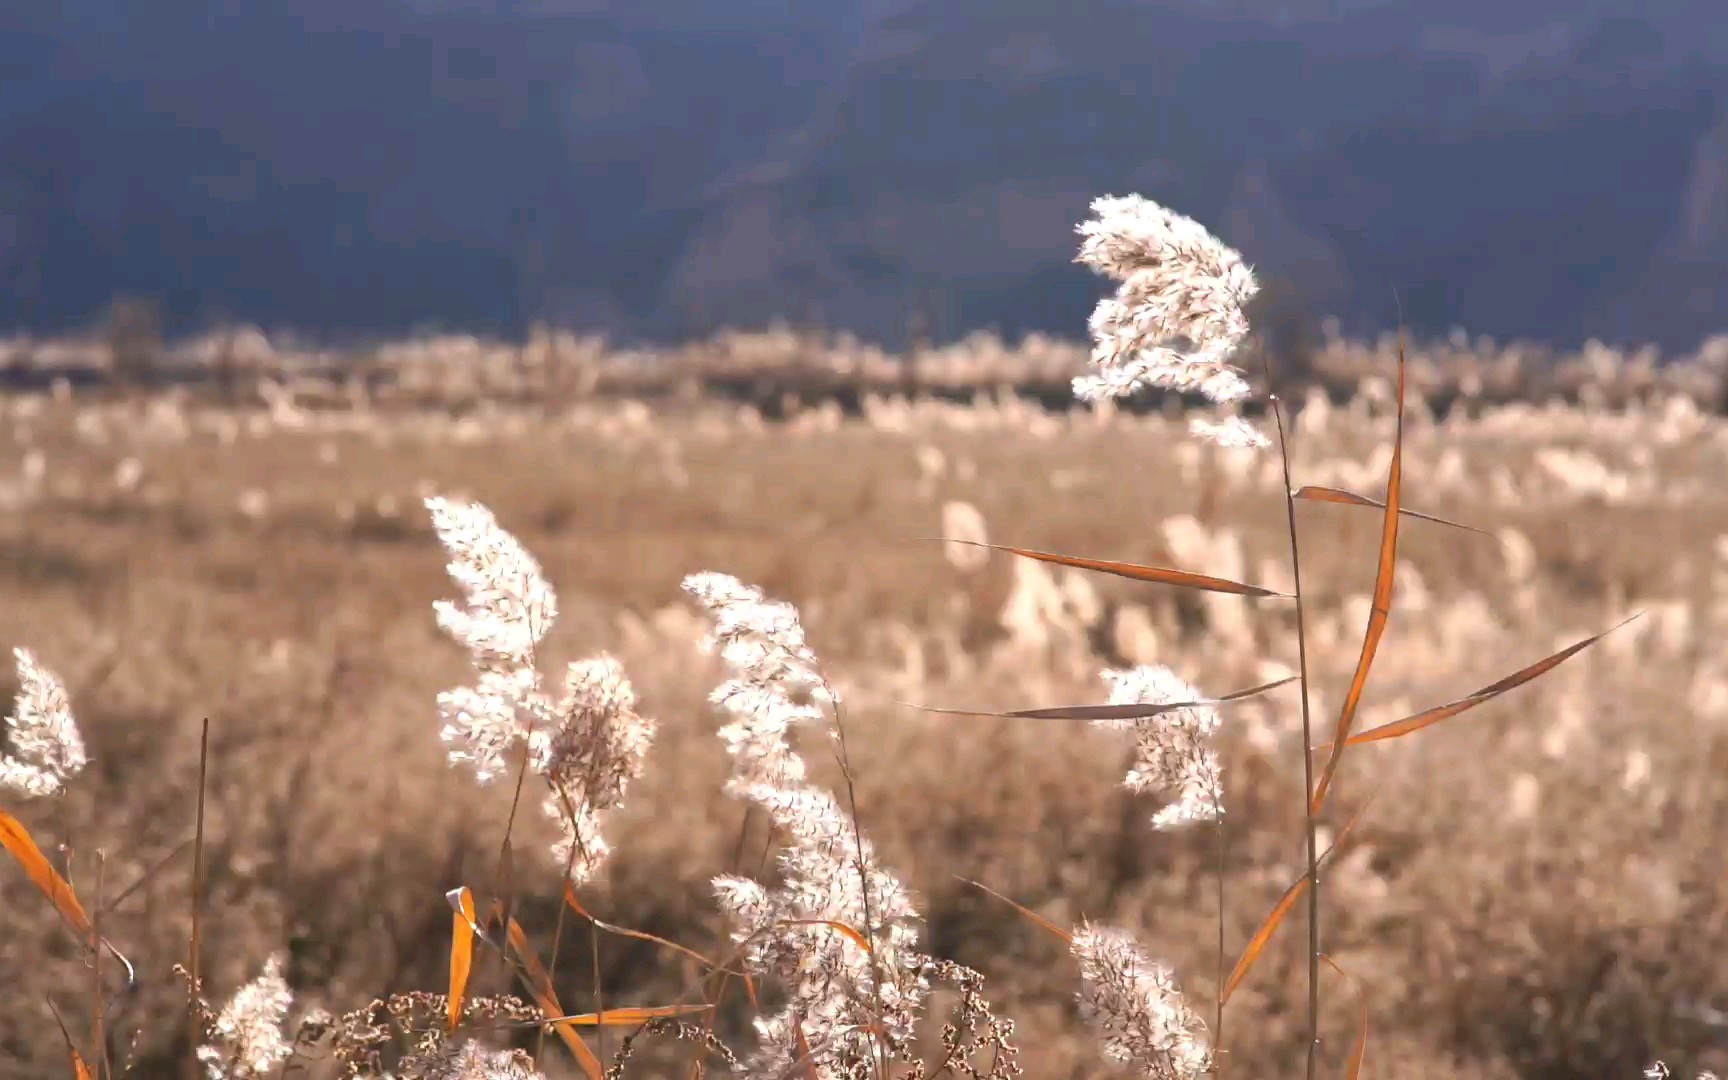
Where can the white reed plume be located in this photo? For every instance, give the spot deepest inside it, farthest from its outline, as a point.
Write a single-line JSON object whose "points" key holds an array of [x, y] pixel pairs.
{"points": [[509, 606], [775, 681], [597, 748], [1180, 307], [1234, 433], [1136, 1005], [832, 885], [246, 1036], [46, 748], [1173, 749], [588, 744]]}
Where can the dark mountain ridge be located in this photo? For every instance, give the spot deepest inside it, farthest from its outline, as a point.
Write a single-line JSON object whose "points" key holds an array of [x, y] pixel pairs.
{"points": [[1554, 169]]}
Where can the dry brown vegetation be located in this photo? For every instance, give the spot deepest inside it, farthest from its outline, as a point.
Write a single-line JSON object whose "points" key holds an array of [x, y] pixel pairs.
{"points": [[781, 369], [1537, 890]]}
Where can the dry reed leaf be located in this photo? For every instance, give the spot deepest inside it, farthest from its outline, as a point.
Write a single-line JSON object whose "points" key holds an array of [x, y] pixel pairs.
{"points": [[628, 1017], [1132, 571], [833, 924], [80, 1068], [640, 935], [1488, 693], [1358, 1053], [504, 886], [1381, 610], [17, 840], [806, 1056], [1298, 888], [1108, 712], [1028, 913], [462, 930], [1313, 493], [534, 975], [1257, 944]]}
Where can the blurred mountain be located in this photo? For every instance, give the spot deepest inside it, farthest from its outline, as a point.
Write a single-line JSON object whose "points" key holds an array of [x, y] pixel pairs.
{"points": [[1546, 168]]}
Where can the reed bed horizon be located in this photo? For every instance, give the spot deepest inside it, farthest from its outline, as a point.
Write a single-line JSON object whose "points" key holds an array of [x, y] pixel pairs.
{"points": [[908, 740]]}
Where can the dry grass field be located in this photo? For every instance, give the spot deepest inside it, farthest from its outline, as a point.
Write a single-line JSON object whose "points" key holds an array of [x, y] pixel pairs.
{"points": [[1537, 889]]}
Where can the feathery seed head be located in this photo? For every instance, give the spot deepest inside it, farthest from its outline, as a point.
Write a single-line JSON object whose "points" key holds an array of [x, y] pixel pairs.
{"points": [[830, 875], [1180, 307], [246, 1037], [1137, 1006], [507, 605], [46, 747], [1173, 749], [1234, 433], [588, 744]]}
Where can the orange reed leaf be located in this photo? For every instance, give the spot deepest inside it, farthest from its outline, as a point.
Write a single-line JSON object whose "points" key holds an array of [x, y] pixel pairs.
{"points": [[504, 884], [80, 1068], [1359, 1052], [833, 924], [1488, 693], [462, 929], [1257, 944], [629, 1017], [624, 931], [539, 982], [1133, 571], [806, 1056], [1381, 609], [1298, 888], [1028, 913], [1312, 493], [17, 840], [1108, 712]]}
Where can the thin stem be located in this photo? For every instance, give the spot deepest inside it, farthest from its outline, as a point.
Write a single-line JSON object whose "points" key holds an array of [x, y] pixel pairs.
{"points": [[558, 927], [1218, 1018], [722, 979], [1307, 741], [98, 997], [194, 1016], [599, 986], [863, 881]]}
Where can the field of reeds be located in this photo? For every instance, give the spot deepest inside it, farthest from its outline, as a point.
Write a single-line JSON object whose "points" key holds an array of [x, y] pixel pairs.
{"points": [[1535, 890], [538, 724], [783, 370]]}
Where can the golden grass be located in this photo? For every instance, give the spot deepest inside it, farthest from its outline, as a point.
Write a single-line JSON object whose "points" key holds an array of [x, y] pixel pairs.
{"points": [[275, 576]]}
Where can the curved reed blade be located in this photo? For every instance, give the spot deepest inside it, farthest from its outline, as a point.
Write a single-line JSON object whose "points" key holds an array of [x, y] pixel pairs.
{"points": [[628, 1017], [1313, 493], [1133, 571], [1298, 888], [80, 1068], [806, 1056], [1381, 610], [461, 948], [639, 935], [1257, 944], [851, 933], [1488, 693], [1030, 915], [504, 889], [17, 840], [1108, 712], [1359, 1052], [534, 975]]}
